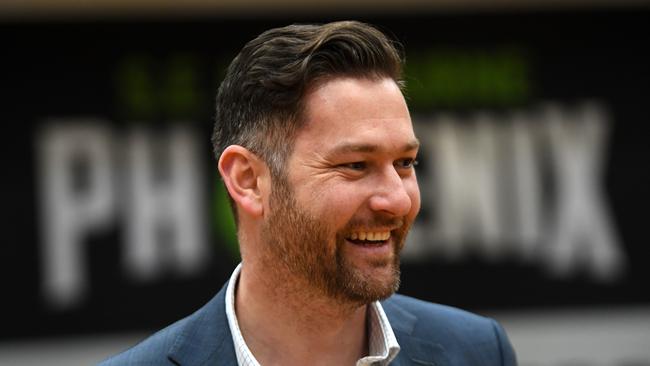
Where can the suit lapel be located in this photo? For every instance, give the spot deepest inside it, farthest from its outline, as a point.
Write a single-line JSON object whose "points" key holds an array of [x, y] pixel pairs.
{"points": [[205, 338], [413, 350]]}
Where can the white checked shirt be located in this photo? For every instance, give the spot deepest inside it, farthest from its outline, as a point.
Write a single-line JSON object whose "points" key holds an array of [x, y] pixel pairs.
{"points": [[382, 343]]}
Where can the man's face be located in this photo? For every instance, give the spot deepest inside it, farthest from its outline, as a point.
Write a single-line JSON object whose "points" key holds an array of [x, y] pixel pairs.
{"points": [[339, 218]]}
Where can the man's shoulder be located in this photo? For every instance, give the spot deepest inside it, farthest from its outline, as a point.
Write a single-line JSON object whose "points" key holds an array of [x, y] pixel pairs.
{"points": [[152, 350], [463, 337], [199, 338], [432, 313]]}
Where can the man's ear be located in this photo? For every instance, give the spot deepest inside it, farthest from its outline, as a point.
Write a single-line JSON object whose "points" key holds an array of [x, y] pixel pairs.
{"points": [[241, 170]]}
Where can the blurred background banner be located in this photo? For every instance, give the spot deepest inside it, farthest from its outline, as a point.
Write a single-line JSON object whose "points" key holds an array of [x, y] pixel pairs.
{"points": [[535, 187]]}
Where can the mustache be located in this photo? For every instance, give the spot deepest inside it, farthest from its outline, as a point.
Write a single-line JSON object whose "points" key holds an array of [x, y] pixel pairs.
{"points": [[376, 221]]}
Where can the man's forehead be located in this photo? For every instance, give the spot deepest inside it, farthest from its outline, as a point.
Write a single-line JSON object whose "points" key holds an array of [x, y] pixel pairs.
{"points": [[342, 96]]}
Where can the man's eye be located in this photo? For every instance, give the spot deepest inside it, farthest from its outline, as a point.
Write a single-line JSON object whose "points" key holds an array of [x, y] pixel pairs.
{"points": [[407, 163], [357, 165]]}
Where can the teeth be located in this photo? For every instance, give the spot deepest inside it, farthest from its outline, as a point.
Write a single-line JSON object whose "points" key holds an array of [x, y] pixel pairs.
{"points": [[372, 236]]}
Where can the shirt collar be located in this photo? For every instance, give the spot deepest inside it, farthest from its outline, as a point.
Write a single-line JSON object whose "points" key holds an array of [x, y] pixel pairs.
{"points": [[244, 355], [382, 344]]}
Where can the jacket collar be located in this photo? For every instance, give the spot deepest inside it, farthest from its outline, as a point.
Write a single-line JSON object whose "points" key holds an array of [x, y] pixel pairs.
{"points": [[205, 338], [413, 350]]}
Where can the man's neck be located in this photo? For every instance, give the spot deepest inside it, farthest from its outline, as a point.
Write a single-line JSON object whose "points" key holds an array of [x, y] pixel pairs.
{"points": [[284, 323]]}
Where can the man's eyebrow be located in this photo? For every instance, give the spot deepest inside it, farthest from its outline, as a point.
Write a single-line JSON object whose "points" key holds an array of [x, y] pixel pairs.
{"points": [[346, 147], [412, 145]]}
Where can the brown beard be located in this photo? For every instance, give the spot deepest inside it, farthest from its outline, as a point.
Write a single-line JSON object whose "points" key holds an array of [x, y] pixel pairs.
{"points": [[300, 244]]}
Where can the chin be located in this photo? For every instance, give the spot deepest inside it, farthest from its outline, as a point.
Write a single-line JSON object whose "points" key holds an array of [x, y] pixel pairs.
{"points": [[371, 284]]}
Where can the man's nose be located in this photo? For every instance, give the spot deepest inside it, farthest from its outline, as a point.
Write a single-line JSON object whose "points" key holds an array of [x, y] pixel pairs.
{"points": [[389, 194]]}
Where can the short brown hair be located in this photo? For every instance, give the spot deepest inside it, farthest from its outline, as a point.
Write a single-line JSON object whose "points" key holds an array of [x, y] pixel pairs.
{"points": [[260, 101]]}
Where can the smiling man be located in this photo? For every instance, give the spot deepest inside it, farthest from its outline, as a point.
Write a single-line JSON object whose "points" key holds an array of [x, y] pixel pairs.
{"points": [[317, 151]]}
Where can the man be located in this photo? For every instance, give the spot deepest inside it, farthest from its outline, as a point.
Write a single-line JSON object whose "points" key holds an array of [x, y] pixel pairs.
{"points": [[317, 152]]}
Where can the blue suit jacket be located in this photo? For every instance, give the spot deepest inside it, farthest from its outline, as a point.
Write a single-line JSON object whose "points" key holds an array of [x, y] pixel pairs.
{"points": [[428, 334]]}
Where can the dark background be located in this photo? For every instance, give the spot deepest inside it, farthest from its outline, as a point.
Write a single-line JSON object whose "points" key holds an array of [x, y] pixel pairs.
{"points": [[68, 69]]}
